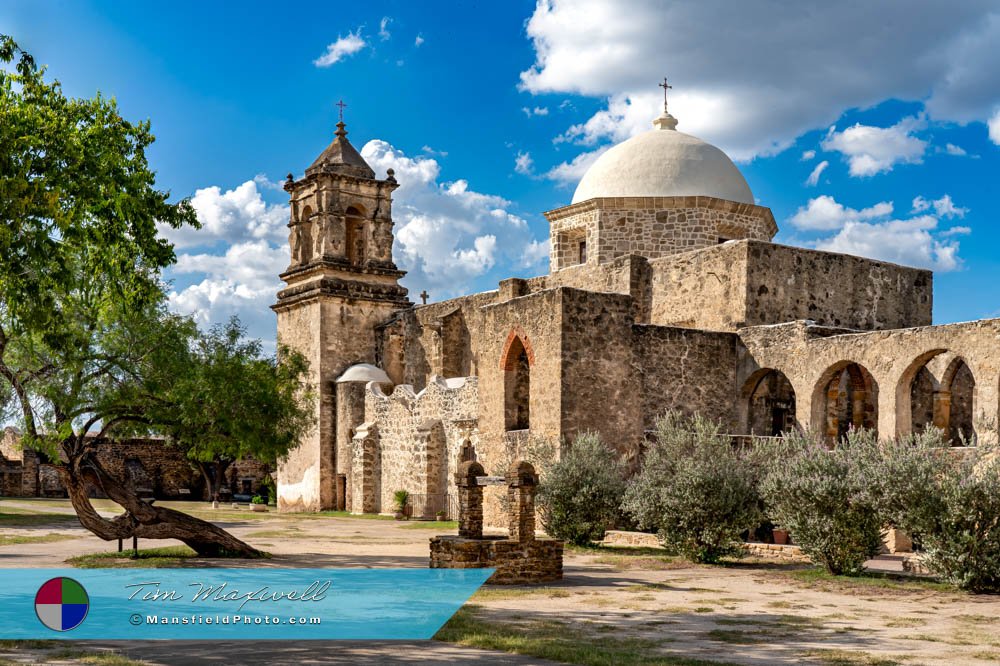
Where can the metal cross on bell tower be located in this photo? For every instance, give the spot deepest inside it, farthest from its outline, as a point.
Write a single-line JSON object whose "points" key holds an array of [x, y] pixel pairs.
{"points": [[342, 105], [666, 86]]}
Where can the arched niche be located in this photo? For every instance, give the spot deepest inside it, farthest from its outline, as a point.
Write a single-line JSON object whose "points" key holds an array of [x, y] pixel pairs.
{"points": [[845, 398], [355, 235], [769, 403]]}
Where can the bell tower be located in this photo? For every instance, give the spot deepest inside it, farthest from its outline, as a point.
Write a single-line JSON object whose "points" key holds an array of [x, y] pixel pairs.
{"points": [[341, 283]]}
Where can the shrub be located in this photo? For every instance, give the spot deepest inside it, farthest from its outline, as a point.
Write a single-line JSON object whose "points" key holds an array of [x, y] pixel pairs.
{"points": [[695, 489], [581, 494], [822, 497], [949, 501], [401, 498]]}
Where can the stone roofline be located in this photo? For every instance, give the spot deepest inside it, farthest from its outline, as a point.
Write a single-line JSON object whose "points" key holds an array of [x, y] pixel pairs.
{"points": [[437, 385], [805, 329], [664, 203], [319, 174], [753, 241]]}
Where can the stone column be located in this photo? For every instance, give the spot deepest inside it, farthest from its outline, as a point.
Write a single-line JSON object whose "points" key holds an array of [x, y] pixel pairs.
{"points": [[522, 482], [364, 472], [350, 410], [470, 500]]}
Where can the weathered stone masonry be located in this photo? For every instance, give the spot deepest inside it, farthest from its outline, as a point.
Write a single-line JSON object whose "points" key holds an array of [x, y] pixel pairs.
{"points": [[661, 294]]}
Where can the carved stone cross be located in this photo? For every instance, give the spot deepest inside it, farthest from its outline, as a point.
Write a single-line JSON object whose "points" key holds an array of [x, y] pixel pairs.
{"points": [[423, 296]]}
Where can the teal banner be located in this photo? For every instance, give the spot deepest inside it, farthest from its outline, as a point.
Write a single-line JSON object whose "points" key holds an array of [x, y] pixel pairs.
{"points": [[257, 604]]}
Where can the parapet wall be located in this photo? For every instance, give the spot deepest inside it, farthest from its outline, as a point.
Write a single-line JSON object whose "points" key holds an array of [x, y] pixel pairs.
{"points": [[754, 283], [414, 442]]}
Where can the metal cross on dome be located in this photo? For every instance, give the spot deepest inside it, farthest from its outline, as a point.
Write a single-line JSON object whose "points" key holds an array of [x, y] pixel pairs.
{"points": [[666, 86]]}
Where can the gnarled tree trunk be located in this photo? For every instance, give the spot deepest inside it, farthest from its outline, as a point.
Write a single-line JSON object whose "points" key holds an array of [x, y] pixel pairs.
{"points": [[142, 519]]}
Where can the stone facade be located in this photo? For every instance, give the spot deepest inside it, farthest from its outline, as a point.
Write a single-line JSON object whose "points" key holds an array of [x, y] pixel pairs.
{"points": [[341, 285], [650, 304], [599, 230]]}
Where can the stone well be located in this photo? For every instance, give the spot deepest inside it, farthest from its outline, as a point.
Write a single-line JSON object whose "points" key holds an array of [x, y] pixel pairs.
{"points": [[519, 557]]}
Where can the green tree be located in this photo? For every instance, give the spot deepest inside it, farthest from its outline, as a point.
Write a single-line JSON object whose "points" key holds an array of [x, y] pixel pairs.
{"points": [[86, 346], [823, 497], [695, 489], [225, 401], [581, 495]]}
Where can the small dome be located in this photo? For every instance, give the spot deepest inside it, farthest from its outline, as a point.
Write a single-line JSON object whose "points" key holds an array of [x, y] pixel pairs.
{"points": [[364, 372], [664, 163]]}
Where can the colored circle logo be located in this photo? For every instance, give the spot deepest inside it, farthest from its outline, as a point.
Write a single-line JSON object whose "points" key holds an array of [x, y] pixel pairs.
{"points": [[61, 604]]}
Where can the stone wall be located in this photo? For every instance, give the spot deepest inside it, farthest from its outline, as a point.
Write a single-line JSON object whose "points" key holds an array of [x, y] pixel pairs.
{"points": [[602, 375], [146, 464], [413, 441], [688, 371], [752, 283], [651, 227], [536, 561]]}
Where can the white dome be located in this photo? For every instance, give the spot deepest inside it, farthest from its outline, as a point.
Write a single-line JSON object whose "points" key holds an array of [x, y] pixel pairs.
{"points": [[664, 163], [364, 372]]}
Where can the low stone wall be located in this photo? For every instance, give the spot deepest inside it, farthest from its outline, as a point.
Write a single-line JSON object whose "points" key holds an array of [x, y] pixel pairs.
{"points": [[775, 551], [535, 561]]}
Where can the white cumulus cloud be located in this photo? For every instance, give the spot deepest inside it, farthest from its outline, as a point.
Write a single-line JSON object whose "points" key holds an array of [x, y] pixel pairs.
{"points": [[824, 213], [871, 150], [872, 232], [243, 282], [345, 45], [231, 216], [908, 242], [808, 155], [994, 127], [447, 234], [755, 100], [570, 173], [523, 164], [943, 207]]}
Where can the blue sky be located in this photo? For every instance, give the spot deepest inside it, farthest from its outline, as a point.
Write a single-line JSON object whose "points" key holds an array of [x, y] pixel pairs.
{"points": [[490, 112]]}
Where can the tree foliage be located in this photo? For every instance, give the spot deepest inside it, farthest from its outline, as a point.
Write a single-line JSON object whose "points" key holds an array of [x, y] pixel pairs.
{"points": [[695, 489], [948, 500], [581, 494], [86, 345], [823, 498]]}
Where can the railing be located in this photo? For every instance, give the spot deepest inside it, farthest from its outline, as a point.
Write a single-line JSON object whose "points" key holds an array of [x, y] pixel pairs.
{"points": [[425, 505]]}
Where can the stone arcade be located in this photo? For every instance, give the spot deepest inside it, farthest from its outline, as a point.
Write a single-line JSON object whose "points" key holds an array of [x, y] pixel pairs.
{"points": [[664, 292]]}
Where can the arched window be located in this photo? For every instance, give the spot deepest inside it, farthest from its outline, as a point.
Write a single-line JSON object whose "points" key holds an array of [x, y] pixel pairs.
{"points": [[355, 237], [945, 403], [516, 362], [305, 236], [957, 389]]}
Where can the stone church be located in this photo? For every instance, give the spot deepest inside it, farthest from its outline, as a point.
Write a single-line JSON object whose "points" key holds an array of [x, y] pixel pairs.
{"points": [[664, 291]]}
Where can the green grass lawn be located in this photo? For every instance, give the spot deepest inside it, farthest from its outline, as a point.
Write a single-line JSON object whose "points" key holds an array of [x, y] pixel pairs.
{"points": [[152, 558], [31, 519], [15, 540]]}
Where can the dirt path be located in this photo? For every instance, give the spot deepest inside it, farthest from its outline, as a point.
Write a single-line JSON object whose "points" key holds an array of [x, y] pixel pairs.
{"points": [[748, 614]]}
